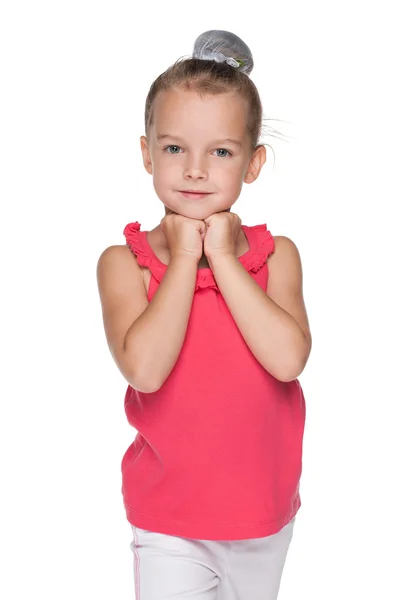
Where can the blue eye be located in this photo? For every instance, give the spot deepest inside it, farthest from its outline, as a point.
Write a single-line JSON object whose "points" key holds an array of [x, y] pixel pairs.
{"points": [[218, 150], [224, 150], [172, 147]]}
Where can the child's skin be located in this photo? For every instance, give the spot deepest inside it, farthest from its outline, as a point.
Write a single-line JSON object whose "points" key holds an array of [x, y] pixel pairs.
{"points": [[146, 338], [194, 160]]}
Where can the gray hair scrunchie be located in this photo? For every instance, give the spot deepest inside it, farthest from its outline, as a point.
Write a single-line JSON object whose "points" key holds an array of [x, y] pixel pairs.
{"points": [[224, 46]]}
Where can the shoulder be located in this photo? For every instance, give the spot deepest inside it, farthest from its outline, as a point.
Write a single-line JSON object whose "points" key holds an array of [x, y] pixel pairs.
{"points": [[285, 273], [116, 266], [285, 254], [117, 255], [113, 252], [285, 282]]}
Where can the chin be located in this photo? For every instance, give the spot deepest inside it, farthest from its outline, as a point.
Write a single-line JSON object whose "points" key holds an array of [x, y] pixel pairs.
{"points": [[192, 211]]}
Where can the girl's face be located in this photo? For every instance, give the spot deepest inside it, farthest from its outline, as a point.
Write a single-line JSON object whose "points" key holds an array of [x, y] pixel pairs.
{"points": [[200, 143]]}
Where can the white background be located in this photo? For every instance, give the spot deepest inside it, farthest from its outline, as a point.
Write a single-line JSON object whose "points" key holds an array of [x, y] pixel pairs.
{"points": [[74, 78]]}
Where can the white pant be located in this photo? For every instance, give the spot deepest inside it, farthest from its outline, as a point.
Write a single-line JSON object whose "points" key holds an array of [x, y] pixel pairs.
{"points": [[167, 566]]}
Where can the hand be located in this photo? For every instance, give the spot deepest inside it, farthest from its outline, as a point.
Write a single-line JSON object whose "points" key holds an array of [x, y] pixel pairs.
{"points": [[222, 232], [183, 235]]}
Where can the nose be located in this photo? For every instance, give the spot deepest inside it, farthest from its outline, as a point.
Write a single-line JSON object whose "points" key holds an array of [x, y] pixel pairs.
{"points": [[195, 168]]}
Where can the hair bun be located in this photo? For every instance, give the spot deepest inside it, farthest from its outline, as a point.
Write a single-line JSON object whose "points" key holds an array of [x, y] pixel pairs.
{"points": [[224, 46]]}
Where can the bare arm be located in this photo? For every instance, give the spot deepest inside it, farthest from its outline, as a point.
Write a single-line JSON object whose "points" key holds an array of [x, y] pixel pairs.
{"points": [[144, 338], [273, 324], [154, 341]]}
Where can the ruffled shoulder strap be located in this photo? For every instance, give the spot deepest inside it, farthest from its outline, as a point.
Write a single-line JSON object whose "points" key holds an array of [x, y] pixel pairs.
{"points": [[261, 243], [134, 239], [137, 242]]}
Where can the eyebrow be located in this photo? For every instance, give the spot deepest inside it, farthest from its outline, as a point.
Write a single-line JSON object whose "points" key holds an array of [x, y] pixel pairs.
{"points": [[162, 136]]}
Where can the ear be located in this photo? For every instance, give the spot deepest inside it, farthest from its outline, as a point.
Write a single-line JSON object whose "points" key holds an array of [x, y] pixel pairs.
{"points": [[255, 165], [146, 154]]}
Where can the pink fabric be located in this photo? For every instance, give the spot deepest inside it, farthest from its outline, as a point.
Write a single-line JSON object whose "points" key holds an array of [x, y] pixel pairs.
{"points": [[218, 453]]}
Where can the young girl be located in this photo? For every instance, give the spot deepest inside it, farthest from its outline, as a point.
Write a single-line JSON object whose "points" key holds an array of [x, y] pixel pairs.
{"points": [[205, 319]]}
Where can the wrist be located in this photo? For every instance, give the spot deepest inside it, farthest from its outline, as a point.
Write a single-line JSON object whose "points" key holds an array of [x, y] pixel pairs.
{"points": [[184, 258], [220, 257]]}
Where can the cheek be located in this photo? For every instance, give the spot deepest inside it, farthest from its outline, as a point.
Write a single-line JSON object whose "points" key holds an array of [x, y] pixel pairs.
{"points": [[232, 174], [163, 168]]}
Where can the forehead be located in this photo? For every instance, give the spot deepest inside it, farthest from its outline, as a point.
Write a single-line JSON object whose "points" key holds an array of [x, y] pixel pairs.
{"points": [[183, 112]]}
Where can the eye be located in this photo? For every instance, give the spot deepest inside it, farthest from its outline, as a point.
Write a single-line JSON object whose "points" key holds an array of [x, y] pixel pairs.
{"points": [[223, 150], [174, 147], [166, 148]]}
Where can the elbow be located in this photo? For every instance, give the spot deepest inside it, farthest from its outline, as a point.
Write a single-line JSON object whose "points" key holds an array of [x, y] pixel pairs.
{"points": [[292, 373], [145, 385], [289, 376], [152, 388], [149, 381], [142, 384], [138, 376]]}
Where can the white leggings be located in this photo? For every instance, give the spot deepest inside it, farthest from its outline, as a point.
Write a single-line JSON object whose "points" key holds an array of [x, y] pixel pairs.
{"points": [[167, 566]]}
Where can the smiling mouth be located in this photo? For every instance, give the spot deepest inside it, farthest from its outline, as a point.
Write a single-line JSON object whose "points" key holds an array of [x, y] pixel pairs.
{"points": [[194, 195]]}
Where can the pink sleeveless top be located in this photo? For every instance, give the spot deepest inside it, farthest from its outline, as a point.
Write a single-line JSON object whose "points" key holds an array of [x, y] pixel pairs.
{"points": [[218, 450]]}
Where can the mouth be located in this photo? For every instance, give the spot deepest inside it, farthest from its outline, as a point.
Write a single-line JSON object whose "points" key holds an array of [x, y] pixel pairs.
{"points": [[194, 195]]}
